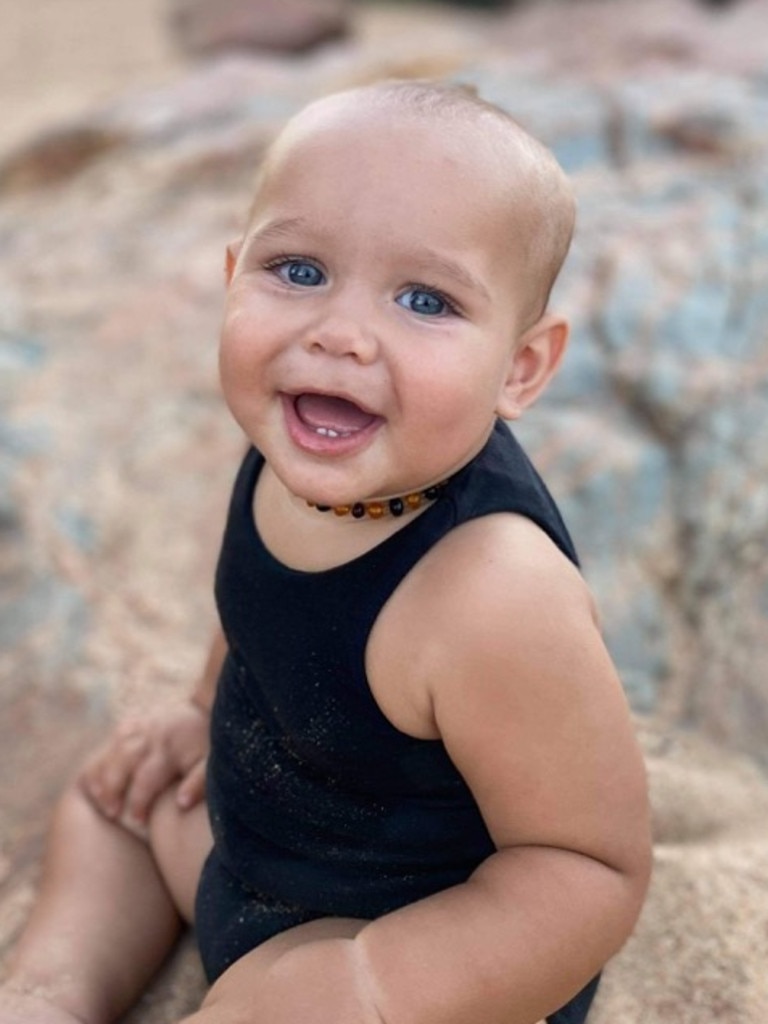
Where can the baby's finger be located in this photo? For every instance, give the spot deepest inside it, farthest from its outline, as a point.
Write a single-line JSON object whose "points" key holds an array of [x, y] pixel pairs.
{"points": [[108, 775], [89, 782], [192, 788], [151, 778], [93, 785], [121, 763]]}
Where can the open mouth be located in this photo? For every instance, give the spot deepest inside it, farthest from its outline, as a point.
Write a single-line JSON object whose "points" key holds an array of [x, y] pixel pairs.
{"points": [[332, 417]]}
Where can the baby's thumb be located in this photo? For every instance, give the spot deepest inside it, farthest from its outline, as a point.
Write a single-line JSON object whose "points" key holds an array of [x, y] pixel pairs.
{"points": [[192, 787]]}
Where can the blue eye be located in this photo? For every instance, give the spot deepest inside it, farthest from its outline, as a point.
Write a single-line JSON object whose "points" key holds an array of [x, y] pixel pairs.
{"points": [[300, 272], [424, 301]]}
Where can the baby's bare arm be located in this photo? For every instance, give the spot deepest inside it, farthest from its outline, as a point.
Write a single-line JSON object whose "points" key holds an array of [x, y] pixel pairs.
{"points": [[531, 710], [205, 690]]}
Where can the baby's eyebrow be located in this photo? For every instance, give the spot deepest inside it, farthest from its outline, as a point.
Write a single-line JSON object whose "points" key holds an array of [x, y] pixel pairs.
{"points": [[426, 259], [276, 229], [445, 266]]}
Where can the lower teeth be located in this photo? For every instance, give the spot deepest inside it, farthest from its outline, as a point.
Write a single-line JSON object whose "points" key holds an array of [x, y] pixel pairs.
{"points": [[329, 432]]}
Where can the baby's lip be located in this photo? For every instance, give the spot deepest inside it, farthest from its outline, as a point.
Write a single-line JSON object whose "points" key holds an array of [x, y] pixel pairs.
{"points": [[329, 424], [332, 414]]}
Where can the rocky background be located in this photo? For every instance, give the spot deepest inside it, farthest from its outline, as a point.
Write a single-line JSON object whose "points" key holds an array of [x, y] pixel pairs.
{"points": [[127, 155]]}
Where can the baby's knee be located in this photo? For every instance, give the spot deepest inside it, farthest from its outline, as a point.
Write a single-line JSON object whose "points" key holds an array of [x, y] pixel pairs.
{"points": [[76, 822], [77, 807], [74, 808]]}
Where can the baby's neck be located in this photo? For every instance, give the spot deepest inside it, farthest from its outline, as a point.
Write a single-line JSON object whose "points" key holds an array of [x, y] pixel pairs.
{"points": [[311, 539]]}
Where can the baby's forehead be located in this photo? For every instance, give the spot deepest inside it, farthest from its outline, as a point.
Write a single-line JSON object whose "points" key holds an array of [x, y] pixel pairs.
{"points": [[391, 164], [365, 112], [493, 156]]}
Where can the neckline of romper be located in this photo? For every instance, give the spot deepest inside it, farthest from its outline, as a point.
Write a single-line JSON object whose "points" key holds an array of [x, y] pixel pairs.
{"points": [[439, 512]]}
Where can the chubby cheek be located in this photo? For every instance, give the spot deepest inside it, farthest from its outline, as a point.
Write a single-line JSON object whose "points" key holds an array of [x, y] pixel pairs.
{"points": [[456, 403], [230, 367], [239, 367], [241, 345], [452, 422]]}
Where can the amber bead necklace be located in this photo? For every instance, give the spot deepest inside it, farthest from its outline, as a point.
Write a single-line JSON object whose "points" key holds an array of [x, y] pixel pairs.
{"points": [[391, 506]]}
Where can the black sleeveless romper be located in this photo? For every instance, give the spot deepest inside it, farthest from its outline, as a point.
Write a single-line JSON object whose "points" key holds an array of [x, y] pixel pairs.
{"points": [[319, 806]]}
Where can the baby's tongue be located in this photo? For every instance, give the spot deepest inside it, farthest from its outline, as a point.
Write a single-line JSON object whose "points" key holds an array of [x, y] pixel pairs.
{"points": [[332, 413]]}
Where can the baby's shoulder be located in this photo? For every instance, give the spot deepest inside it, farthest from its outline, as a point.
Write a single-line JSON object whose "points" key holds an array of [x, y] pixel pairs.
{"points": [[497, 561], [486, 593]]}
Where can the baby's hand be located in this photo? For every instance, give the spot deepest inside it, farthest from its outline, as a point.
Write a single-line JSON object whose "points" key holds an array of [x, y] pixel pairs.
{"points": [[143, 757]]}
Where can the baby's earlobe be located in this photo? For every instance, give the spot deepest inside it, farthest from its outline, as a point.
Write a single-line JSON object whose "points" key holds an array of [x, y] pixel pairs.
{"points": [[534, 362]]}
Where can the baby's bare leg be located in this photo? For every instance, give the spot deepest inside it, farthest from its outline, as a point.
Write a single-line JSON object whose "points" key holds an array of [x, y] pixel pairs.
{"points": [[103, 923]]}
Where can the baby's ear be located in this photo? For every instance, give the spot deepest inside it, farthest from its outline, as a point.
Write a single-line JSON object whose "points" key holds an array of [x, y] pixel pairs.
{"points": [[230, 259], [535, 358]]}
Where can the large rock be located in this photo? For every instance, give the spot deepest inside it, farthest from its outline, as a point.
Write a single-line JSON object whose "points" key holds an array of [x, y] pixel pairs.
{"points": [[651, 436]]}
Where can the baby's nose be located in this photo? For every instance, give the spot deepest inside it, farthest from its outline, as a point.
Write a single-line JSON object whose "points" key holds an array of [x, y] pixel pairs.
{"points": [[343, 336]]}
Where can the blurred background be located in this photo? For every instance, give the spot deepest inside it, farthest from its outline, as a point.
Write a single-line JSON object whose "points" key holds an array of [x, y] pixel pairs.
{"points": [[129, 141]]}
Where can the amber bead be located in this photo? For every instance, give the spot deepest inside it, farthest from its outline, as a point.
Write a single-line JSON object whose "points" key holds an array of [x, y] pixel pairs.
{"points": [[377, 509]]}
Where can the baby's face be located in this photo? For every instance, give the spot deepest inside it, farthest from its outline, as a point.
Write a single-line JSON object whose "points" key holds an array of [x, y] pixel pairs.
{"points": [[373, 310]]}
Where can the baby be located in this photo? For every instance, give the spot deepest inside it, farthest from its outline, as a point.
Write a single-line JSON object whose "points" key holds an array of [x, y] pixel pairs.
{"points": [[423, 801]]}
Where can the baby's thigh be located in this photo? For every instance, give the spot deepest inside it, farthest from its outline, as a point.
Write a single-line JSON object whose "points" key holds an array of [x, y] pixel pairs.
{"points": [[180, 841]]}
